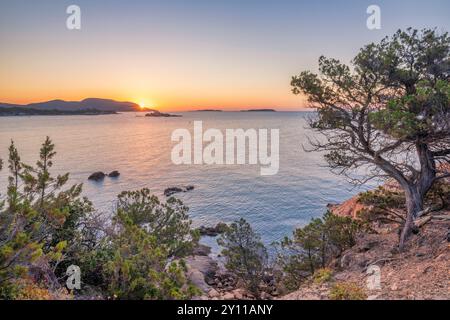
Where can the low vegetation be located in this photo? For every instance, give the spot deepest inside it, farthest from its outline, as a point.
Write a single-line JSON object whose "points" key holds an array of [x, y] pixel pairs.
{"points": [[387, 205], [46, 226], [138, 252], [347, 291], [313, 247], [245, 254], [323, 275]]}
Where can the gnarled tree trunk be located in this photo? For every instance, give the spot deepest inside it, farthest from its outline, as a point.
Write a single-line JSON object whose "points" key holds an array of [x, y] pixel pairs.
{"points": [[415, 192], [414, 205]]}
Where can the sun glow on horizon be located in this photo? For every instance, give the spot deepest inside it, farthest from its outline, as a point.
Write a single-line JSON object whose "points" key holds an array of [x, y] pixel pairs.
{"points": [[145, 104]]}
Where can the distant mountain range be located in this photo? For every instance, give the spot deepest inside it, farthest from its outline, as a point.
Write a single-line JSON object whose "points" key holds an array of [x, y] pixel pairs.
{"points": [[102, 105]]}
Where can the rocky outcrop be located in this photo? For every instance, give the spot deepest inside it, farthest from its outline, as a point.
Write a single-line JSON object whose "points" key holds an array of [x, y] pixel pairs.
{"points": [[157, 114], [114, 174], [97, 176], [352, 207], [201, 250], [200, 269], [213, 231], [349, 208]]}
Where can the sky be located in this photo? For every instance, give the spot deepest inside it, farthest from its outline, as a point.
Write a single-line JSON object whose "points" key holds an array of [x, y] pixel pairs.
{"points": [[191, 54]]}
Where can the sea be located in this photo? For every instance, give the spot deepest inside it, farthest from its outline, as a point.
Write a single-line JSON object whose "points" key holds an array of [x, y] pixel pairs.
{"points": [[140, 149]]}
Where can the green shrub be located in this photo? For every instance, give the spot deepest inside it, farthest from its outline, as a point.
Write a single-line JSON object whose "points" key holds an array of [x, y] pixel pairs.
{"points": [[388, 206], [323, 275], [314, 246], [39, 222], [140, 268], [245, 254], [167, 221], [46, 226], [347, 291]]}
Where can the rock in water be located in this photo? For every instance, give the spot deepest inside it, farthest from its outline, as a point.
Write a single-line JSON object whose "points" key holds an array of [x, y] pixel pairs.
{"points": [[114, 174], [213, 231], [171, 191], [157, 114], [97, 176]]}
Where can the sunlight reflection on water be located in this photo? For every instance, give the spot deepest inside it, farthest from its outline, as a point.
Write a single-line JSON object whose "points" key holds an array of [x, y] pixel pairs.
{"points": [[140, 149]]}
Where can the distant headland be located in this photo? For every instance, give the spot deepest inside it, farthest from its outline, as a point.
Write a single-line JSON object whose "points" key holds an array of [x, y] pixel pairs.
{"points": [[21, 111], [90, 106]]}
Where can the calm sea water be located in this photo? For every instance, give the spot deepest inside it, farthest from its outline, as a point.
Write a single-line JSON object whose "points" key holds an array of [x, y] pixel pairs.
{"points": [[140, 149]]}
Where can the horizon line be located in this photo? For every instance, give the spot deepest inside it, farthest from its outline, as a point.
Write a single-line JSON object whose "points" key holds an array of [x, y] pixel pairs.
{"points": [[176, 109]]}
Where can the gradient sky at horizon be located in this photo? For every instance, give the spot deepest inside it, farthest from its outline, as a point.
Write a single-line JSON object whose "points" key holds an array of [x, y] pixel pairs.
{"points": [[178, 55]]}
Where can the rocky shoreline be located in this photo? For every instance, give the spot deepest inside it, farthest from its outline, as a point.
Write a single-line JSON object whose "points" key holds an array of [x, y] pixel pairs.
{"points": [[421, 272], [215, 283], [209, 275]]}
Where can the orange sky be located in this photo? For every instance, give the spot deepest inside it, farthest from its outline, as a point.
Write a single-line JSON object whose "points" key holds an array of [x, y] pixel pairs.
{"points": [[178, 55], [153, 80]]}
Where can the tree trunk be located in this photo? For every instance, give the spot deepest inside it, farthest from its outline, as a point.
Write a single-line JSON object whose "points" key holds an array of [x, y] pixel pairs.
{"points": [[415, 193], [414, 204]]}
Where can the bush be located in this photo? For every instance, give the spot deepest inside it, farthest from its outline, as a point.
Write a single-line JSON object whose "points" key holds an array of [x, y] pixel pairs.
{"points": [[347, 291], [45, 227], [39, 223], [314, 246], [245, 254], [323, 275], [29, 290], [388, 206], [439, 196], [140, 268], [168, 222]]}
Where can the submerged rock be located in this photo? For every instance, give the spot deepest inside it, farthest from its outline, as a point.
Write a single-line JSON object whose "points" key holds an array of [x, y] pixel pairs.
{"points": [[173, 190], [114, 174], [97, 176]]}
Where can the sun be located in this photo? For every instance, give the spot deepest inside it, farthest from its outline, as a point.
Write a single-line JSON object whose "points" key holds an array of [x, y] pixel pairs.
{"points": [[142, 105], [145, 104]]}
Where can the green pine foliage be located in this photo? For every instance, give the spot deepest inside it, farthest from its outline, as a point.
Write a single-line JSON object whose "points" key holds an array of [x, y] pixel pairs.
{"points": [[313, 247], [46, 226], [245, 254]]}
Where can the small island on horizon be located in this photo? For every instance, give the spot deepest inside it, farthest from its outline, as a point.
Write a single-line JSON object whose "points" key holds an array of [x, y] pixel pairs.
{"points": [[259, 110], [207, 110], [157, 114]]}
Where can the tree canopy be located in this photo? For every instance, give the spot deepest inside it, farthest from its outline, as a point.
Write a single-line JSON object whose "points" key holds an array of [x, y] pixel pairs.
{"points": [[389, 112]]}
